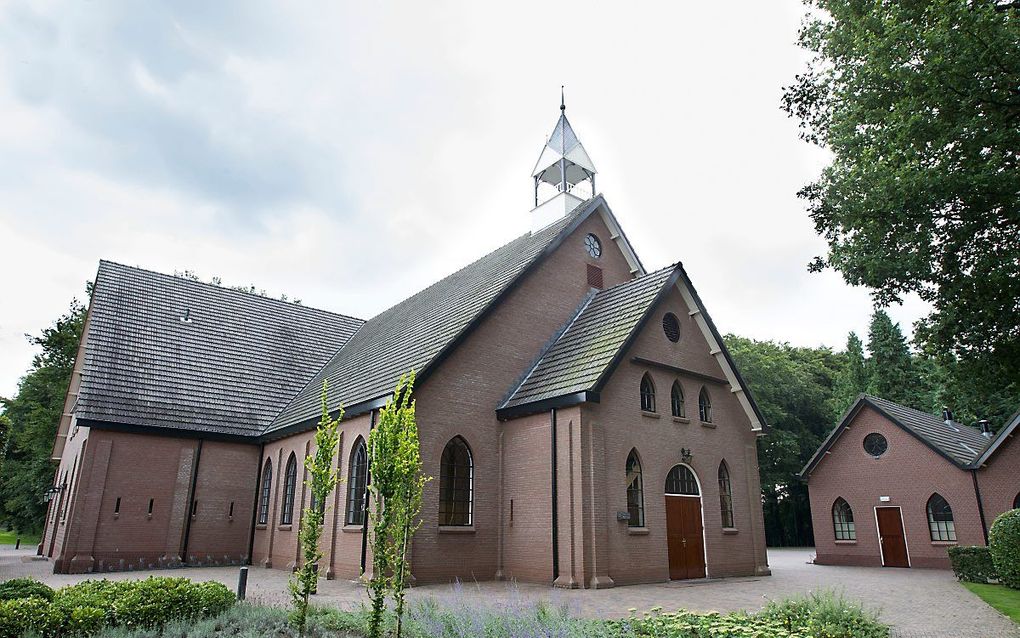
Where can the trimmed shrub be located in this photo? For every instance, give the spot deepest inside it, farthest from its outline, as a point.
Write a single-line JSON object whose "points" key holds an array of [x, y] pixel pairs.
{"points": [[973, 564], [1004, 543], [22, 615], [24, 588], [825, 615]]}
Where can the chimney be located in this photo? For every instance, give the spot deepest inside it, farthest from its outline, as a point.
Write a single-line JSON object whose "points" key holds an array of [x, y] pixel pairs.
{"points": [[986, 428], [947, 415]]}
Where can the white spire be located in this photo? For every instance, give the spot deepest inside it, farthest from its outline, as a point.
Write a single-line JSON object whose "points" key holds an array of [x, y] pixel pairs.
{"points": [[565, 166]]}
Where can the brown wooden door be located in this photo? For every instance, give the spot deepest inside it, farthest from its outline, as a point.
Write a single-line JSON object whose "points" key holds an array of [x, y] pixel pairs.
{"points": [[685, 543], [890, 535]]}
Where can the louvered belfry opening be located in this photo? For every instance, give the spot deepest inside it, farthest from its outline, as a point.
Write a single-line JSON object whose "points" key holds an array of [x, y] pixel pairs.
{"points": [[595, 279]]}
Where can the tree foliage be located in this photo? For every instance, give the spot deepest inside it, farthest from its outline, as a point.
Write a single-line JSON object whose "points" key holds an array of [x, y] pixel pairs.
{"points": [[891, 371], [323, 478], [397, 485], [919, 103], [34, 413]]}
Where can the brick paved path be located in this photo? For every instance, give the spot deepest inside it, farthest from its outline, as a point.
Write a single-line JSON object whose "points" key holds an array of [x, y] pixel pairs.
{"points": [[918, 603]]}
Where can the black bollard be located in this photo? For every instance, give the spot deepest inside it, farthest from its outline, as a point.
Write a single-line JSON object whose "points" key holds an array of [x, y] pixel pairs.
{"points": [[242, 583], [17, 543]]}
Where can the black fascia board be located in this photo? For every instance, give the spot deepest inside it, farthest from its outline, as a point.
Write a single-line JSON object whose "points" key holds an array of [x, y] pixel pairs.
{"points": [[357, 409], [545, 405], [162, 430]]}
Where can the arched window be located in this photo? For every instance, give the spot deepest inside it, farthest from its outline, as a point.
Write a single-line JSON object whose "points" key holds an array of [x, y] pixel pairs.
{"points": [[1016, 501], [681, 481], [676, 400], [647, 394], [635, 491], [704, 406], [267, 486], [940, 519], [357, 483], [456, 477], [289, 486], [843, 521], [725, 495]]}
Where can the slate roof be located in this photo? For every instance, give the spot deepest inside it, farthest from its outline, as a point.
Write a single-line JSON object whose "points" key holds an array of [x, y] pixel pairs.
{"points": [[414, 333], [960, 444], [585, 350], [228, 371]]}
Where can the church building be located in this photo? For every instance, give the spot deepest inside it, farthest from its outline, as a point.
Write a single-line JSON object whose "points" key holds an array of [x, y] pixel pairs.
{"points": [[581, 418]]}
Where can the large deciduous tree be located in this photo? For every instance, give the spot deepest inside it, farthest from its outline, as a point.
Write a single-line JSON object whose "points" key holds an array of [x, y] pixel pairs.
{"points": [[919, 103], [34, 413]]}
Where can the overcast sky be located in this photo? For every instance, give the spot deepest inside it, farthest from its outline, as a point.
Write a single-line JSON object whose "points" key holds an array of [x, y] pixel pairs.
{"points": [[349, 154]]}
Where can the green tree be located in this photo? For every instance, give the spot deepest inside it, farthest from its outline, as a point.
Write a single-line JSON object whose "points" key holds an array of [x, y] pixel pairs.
{"points": [[323, 478], [34, 414], [852, 379], [397, 485], [919, 104], [891, 373]]}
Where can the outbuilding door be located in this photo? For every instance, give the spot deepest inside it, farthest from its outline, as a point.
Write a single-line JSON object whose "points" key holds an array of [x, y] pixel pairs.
{"points": [[890, 537], [685, 542]]}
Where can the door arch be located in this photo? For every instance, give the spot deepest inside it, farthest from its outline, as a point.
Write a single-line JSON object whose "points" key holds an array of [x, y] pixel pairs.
{"points": [[685, 529]]}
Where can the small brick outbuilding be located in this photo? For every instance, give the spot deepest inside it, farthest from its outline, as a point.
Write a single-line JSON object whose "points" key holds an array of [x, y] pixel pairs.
{"points": [[894, 486]]}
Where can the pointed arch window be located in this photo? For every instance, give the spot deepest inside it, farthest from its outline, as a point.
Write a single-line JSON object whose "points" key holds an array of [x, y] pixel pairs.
{"points": [[676, 400], [357, 483], [267, 486], [647, 394], [941, 525], [725, 495], [680, 481], [635, 491], [843, 521], [289, 487], [456, 478], [704, 406], [1016, 501]]}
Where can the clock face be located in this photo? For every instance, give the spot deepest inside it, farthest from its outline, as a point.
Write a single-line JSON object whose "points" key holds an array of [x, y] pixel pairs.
{"points": [[593, 245]]}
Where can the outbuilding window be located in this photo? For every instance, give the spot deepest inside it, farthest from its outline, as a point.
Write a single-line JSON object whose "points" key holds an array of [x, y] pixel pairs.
{"points": [[843, 521], [635, 491], [704, 406], [357, 483], [267, 486], [289, 486], [456, 477], [1016, 501], [940, 519], [676, 400], [725, 495], [647, 394]]}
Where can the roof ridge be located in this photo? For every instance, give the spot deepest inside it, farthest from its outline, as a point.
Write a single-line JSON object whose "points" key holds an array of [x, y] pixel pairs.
{"points": [[640, 278], [228, 289]]}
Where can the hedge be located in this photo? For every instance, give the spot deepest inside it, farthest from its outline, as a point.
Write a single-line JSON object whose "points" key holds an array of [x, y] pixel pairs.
{"points": [[1004, 542], [24, 588], [85, 608], [973, 564]]}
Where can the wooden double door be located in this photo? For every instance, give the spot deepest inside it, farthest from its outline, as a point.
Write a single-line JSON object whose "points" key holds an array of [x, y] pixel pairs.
{"points": [[891, 537], [685, 539]]}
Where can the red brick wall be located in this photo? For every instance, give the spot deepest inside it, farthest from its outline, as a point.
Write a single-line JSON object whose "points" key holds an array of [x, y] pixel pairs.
{"points": [[527, 468], [908, 473], [641, 555], [999, 481]]}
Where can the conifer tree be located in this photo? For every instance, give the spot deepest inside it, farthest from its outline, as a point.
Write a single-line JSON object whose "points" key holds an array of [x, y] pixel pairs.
{"points": [[891, 370], [853, 379]]}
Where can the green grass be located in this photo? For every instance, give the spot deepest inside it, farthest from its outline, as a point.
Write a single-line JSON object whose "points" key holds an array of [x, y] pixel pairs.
{"points": [[1004, 599], [27, 540]]}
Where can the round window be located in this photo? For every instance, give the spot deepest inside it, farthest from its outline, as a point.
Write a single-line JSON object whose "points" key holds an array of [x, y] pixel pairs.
{"points": [[671, 326], [593, 245], [875, 444]]}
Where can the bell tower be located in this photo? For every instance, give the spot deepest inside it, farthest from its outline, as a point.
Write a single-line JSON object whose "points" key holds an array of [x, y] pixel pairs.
{"points": [[564, 175]]}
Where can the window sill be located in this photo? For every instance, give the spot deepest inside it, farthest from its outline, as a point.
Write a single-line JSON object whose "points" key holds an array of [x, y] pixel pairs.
{"points": [[681, 419], [944, 543], [707, 424], [285, 528], [261, 526], [352, 529], [637, 531], [456, 529], [729, 531], [846, 542], [651, 415]]}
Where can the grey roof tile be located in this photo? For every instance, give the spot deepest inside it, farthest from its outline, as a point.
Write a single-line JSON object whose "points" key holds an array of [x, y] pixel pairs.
{"points": [[229, 370], [577, 360], [413, 333], [962, 443]]}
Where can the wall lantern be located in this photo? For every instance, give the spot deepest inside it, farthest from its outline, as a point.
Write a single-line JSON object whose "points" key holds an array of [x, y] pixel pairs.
{"points": [[685, 455], [51, 493]]}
